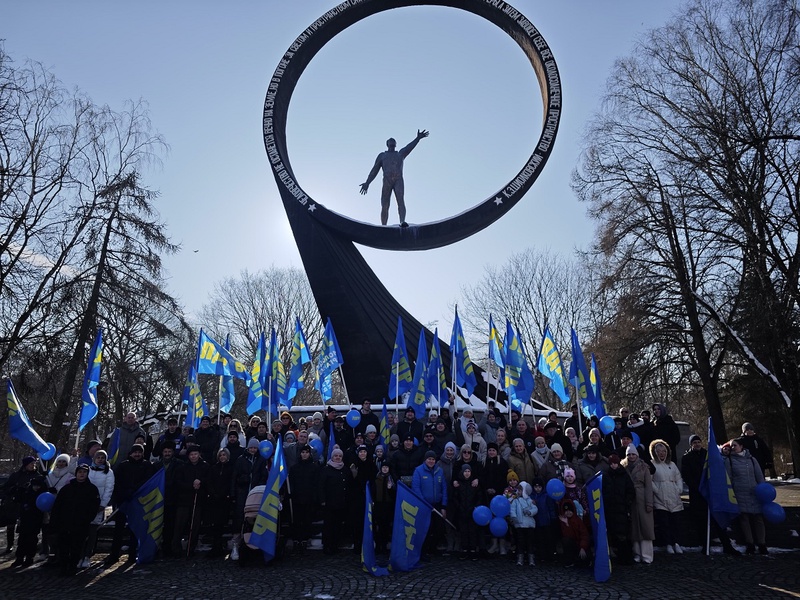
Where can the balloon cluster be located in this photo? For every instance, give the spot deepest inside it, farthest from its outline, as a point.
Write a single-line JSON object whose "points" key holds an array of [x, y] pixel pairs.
{"points": [[773, 512], [493, 515]]}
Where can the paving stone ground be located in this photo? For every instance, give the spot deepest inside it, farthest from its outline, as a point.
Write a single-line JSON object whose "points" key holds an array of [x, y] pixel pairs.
{"points": [[316, 576]]}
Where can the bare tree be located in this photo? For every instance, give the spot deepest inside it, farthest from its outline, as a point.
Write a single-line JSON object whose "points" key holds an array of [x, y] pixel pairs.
{"points": [[691, 169]]}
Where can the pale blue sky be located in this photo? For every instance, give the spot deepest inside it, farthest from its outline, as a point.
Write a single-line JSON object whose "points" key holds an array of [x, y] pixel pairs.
{"points": [[204, 66]]}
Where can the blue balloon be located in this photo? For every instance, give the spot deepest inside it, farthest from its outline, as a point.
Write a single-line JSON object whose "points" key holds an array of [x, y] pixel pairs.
{"points": [[500, 506], [44, 502], [607, 424], [49, 453], [316, 444], [498, 527], [636, 439], [765, 492], [774, 513], [556, 489], [482, 515], [265, 448], [353, 418]]}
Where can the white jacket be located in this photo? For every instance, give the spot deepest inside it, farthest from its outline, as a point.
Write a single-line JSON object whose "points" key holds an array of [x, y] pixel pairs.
{"points": [[667, 487], [105, 485]]}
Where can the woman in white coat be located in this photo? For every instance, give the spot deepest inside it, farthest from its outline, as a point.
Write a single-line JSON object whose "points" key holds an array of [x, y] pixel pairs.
{"points": [[667, 503], [101, 475]]}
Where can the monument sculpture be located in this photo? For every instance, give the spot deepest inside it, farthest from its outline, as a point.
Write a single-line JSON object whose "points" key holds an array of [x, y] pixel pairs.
{"points": [[362, 310]]}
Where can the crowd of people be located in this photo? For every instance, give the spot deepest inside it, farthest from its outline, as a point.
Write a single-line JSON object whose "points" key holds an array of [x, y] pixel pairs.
{"points": [[456, 462]]}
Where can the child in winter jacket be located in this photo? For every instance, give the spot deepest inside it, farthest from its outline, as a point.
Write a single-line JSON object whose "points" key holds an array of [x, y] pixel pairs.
{"points": [[574, 536], [546, 522], [523, 513]]}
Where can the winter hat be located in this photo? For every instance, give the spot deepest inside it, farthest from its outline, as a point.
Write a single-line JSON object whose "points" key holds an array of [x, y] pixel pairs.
{"points": [[289, 436], [471, 424], [104, 453], [538, 481], [286, 413], [316, 415], [430, 454], [394, 438], [331, 410], [567, 505], [433, 413], [537, 438], [569, 471], [631, 450], [371, 429], [82, 467], [361, 447], [694, 437], [511, 475], [526, 489], [275, 422], [451, 445], [466, 467], [595, 430], [556, 448], [28, 460], [542, 422], [65, 458], [205, 418], [747, 426], [252, 443], [590, 448], [492, 445], [624, 433], [168, 444], [134, 448], [613, 459], [550, 425]]}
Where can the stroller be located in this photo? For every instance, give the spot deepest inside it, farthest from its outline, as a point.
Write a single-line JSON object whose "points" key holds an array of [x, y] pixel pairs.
{"points": [[249, 552]]}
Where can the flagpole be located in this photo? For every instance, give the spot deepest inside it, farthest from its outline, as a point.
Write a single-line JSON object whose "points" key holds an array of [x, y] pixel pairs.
{"points": [[708, 531], [219, 399], [269, 401], [344, 385], [396, 391]]}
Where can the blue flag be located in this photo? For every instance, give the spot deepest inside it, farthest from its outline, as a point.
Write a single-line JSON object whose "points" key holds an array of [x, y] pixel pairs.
{"points": [[412, 517], [464, 373], [437, 385], [196, 407], [330, 359], [400, 379], [597, 389], [602, 558], [384, 433], [258, 377], [418, 399], [518, 377], [331, 440], [265, 528], [91, 380], [368, 562], [276, 378], [19, 426], [715, 484], [145, 512], [495, 346], [551, 367], [579, 377], [113, 448], [300, 357], [227, 395], [213, 359]]}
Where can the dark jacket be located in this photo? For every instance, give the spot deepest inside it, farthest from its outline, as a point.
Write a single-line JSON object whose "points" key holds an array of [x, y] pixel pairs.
{"points": [[129, 476], [403, 462], [415, 428], [618, 496], [208, 440], [334, 484], [220, 482], [494, 476], [304, 482], [76, 506], [185, 483], [664, 428], [248, 472]]}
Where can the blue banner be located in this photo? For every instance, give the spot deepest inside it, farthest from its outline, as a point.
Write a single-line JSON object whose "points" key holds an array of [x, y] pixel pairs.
{"points": [[265, 529], [213, 359], [113, 448], [276, 378], [418, 399], [412, 517], [715, 484], [495, 347], [330, 359], [400, 379], [196, 407], [518, 377], [145, 512], [579, 377], [384, 433], [602, 558], [227, 395], [464, 373], [437, 385], [597, 389], [91, 380], [19, 426], [551, 367], [300, 357], [368, 562], [258, 377]]}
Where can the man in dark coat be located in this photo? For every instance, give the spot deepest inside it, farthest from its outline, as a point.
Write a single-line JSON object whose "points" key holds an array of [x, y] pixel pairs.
{"points": [[618, 497], [129, 476], [405, 460], [758, 448], [665, 428], [75, 507], [207, 438], [192, 488], [172, 467], [367, 418]]}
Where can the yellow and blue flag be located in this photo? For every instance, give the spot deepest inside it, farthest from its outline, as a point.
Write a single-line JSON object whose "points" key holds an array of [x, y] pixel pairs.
{"points": [[265, 528], [368, 562], [196, 407], [579, 377], [597, 389], [113, 448], [300, 357], [602, 557], [91, 380], [715, 484], [437, 385], [418, 399], [330, 359], [495, 347], [227, 395], [214, 359], [519, 382], [400, 379], [19, 426], [464, 373], [258, 377], [276, 378], [550, 365], [145, 513], [412, 517], [384, 433]]}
